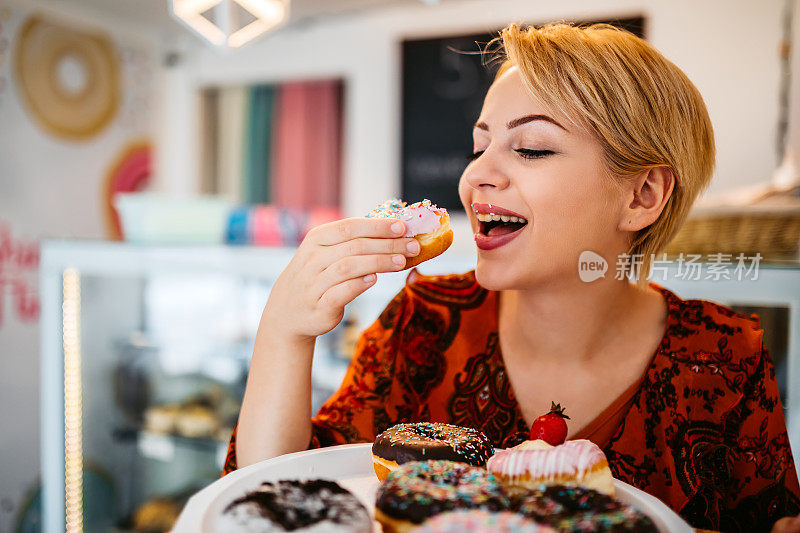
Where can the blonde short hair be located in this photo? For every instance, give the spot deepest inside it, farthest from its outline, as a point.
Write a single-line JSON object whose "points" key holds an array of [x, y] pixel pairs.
{"points": [[641, 107]]}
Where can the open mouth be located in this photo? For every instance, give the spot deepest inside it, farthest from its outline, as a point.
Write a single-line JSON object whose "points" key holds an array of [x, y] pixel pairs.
{"points": [[494, 225]]}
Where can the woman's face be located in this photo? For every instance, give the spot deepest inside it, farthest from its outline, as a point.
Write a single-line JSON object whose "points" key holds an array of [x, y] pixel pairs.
{"points": [[535, 164]]}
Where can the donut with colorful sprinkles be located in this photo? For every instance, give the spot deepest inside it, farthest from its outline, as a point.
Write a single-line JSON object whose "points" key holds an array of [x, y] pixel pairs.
{"points": [[479, 521], [428, 224], [575, 508], [428, 440], [418, 490]]}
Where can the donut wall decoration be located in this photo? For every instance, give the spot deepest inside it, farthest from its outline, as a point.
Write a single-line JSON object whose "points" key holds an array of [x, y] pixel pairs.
{"points": [[130, 172], [69, 79]]}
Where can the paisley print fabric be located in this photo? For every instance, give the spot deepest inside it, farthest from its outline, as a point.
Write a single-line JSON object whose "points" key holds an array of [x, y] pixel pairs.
{"points": [[482, 392], [705, 432]]}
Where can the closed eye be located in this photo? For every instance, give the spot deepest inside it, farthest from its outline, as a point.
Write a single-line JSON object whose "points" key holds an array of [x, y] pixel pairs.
{"points": [[533, 154], [524, 152]]}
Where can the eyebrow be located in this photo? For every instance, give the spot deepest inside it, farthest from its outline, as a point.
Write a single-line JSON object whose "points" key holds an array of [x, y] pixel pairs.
{"points": [[522, 120]]}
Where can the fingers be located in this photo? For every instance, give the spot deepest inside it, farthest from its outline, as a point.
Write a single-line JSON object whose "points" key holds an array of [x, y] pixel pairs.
{"points": [[357, 266], [354, 228], [344, 293], [328, 255]]}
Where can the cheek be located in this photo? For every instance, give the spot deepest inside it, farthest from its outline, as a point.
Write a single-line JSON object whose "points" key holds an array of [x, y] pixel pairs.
{"points": [[580, 211], [464, 192]]}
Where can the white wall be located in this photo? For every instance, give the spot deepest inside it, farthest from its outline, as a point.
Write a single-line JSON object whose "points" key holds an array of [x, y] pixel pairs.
{"points": [[728, 48], [794, 88], [51, 188]]}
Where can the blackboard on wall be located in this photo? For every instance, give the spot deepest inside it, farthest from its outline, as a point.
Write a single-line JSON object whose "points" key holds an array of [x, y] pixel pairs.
{"points": [[443, 93]]}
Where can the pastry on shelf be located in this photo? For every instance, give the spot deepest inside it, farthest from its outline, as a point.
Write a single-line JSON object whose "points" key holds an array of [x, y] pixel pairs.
{"points": [[155, 516], [161, 418], [196, 422], [197, 417]]}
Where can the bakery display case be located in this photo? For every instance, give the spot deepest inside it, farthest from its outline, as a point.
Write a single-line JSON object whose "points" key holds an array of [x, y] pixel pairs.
{"points": [[145, 351]]}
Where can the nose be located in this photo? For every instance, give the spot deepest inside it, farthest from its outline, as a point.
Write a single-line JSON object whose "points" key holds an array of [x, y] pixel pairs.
{"points": [[483, 173]]}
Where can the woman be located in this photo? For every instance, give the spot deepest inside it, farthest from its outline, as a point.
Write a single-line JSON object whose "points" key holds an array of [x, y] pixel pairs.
{"points": [[600, 144]]}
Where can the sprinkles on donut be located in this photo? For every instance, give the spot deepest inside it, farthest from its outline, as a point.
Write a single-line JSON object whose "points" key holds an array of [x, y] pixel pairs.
{"points": [[428, 224], [480, 521], [418, 490], [313, 505], [428, 440], [574, 508]]}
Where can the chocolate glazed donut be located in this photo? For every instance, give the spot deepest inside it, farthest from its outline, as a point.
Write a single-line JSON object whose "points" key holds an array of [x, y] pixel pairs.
{"points": [[419, 490], [428, 441], [566, 508]]}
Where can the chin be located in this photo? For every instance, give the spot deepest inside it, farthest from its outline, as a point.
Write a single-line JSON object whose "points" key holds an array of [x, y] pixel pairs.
{"points": [[496, 276]]}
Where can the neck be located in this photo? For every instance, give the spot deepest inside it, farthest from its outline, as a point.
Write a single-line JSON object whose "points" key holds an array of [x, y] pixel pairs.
{"points": [[566, 322]]}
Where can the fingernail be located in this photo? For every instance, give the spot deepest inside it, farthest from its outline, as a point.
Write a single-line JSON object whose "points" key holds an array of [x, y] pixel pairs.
{"points": [[398, 260], [413, 246], [397, 227], [369, 278]]}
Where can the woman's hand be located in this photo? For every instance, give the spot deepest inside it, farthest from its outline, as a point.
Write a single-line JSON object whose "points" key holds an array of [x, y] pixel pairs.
{"points": [[335, 263], [790, 524]]}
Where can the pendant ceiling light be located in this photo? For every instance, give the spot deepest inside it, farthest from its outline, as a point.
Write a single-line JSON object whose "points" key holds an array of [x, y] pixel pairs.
{"points": [[231, 23]]}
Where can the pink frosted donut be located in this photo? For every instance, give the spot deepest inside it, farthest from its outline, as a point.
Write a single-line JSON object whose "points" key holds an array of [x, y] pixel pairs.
{"points": [[480, 521], [580, 462], [429, 224]]}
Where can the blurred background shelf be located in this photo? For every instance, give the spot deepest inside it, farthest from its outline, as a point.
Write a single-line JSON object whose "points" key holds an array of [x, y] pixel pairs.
{"points": [[162, 446], [167, 335]]}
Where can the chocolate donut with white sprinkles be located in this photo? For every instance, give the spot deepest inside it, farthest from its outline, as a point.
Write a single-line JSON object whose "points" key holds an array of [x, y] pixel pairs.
{"points": [[428, 441], [311, 506]]}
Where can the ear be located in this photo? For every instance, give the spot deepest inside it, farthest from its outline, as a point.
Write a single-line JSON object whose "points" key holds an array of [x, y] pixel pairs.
{"points": [[648, 194]]}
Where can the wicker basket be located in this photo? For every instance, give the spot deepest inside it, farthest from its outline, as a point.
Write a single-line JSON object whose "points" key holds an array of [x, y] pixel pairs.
{"points": [[773, 231]]}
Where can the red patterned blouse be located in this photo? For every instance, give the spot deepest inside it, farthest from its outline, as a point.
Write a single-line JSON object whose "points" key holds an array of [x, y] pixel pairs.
{"points": [[704, 432]]}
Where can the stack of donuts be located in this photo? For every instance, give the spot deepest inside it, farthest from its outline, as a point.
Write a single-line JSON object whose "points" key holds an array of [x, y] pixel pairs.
{"points": [[439, 477], [442, 478]]}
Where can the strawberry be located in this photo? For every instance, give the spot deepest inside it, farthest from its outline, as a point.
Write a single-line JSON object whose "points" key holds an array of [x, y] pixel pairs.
{"points": [[551, 428]]}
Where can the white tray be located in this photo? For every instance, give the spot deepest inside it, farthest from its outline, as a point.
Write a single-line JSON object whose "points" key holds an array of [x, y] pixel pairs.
{"points": [[351, 466]]}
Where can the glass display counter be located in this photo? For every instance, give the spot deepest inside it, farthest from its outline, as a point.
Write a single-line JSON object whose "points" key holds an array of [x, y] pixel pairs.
{"points": [[145, 352]]}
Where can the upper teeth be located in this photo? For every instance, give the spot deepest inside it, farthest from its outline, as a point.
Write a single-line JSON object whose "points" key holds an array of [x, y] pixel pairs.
{"points": [[491, 217]]}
